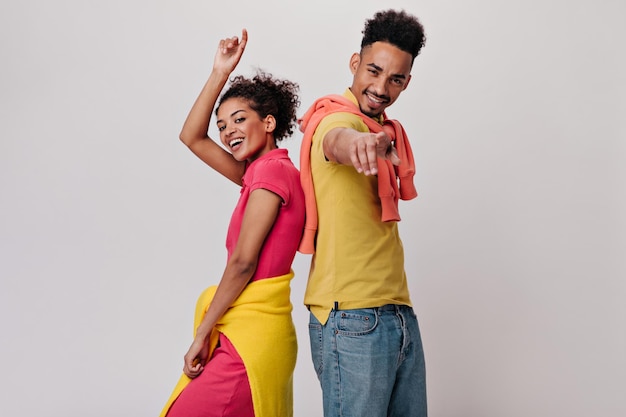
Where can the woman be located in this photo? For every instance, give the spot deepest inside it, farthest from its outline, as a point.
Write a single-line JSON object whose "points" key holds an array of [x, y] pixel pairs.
{"points": [[243, 354]]}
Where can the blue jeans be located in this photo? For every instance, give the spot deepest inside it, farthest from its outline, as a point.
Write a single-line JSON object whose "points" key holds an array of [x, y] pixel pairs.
{"points": [[370, 362]]}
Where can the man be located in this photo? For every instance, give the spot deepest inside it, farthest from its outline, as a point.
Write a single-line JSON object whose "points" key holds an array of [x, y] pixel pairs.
{"points": [[365, 339]]}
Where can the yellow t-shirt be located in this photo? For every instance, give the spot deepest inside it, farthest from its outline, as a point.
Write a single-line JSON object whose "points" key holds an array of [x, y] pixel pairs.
{"points": [[358, 260]]}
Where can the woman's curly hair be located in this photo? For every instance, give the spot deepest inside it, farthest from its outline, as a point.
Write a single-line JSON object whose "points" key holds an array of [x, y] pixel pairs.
{"points": [[397, 28], [267, 95]]}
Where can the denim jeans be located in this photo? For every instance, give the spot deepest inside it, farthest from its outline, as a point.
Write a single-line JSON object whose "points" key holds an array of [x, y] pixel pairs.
{"points": [[370, 362]]}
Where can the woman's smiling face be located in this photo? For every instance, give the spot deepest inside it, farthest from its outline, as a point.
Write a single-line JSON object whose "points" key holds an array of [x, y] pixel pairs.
{"points": [[242, 131]]}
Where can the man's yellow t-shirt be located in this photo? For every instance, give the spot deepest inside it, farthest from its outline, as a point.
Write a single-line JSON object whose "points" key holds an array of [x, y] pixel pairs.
{"points": [[358, 260]]}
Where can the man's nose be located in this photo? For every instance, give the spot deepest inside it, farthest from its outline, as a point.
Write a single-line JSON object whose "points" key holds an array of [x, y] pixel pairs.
{"points": [[380, 86]]}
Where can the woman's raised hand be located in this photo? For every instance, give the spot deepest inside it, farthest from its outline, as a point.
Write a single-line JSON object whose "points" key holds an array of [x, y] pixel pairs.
{"points": [[229, 52]]}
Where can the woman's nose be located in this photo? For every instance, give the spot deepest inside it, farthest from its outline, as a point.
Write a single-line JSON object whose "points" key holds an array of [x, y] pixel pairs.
{"points": [[229, 130]]}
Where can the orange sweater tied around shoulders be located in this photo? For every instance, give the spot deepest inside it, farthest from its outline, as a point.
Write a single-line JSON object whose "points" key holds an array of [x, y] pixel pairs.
{"points": [[394, 182]]}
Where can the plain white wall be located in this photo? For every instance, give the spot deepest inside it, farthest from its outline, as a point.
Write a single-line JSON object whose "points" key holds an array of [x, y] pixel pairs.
{"points": [[109, 227]]}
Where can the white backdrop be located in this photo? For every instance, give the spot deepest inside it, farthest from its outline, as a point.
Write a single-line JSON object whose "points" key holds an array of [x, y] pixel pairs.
{"points": [[110, 227]]}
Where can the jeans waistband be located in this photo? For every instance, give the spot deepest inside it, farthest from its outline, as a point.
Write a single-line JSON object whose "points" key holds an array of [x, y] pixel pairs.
{"points": [[387, 308], [390, 308]]}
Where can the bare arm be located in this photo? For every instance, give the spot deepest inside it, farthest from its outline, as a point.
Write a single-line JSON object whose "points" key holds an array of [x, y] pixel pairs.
{"points": [[259, 217], [359, 149], [195, 129]]}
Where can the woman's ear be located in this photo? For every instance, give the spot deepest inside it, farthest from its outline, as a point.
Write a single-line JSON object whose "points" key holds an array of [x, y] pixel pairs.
{"points": [[270, 123]]}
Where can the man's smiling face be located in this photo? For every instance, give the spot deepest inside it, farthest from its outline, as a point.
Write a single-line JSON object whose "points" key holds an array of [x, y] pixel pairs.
{"points": [[381, 72]]}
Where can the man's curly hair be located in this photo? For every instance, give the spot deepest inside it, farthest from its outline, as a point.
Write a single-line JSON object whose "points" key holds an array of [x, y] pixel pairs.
{"points": [[397, 28], [267, 95]]}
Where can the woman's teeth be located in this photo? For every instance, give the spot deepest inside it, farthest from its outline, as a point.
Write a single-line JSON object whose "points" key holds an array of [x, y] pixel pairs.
{"points": [[235, 142]]}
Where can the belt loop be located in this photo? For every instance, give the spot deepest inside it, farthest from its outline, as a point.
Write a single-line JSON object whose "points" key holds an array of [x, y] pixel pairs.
{"points": [[336, 306]]}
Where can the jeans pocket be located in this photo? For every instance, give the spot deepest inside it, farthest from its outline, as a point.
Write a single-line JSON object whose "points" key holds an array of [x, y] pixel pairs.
{"points": [[316, 339], [356, 322]]}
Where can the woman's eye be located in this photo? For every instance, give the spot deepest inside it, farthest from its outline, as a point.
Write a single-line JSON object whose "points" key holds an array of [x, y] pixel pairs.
{"points": [[220, 128], [239, 119]]}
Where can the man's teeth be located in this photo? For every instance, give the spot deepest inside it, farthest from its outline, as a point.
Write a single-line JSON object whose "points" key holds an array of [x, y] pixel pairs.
{"points": [[235, 142]]}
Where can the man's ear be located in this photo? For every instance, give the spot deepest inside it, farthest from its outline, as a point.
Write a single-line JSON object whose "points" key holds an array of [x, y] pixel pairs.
{"points": [[355, 60], [270, 123]]}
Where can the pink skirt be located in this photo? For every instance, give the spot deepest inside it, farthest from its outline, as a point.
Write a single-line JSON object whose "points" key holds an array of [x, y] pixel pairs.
{"points": [[222, 389]]}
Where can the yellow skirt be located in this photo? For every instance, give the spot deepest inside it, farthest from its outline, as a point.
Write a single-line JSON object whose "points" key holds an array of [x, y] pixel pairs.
{"points": [[260, 326]]}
